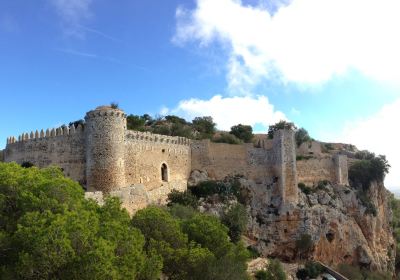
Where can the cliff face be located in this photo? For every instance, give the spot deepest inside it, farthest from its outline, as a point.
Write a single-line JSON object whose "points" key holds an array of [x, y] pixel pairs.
{"points": [[344, 225]]}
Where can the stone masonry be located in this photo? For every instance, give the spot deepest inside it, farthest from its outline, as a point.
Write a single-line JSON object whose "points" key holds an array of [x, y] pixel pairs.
{"points": [[105, 157]]}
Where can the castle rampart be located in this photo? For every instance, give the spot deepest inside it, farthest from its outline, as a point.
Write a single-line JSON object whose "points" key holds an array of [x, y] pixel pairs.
{"points": [[63, 147], [104, 156]]}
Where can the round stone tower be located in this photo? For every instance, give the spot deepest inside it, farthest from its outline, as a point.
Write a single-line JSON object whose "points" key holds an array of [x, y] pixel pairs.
{"points": [[105, 135]]}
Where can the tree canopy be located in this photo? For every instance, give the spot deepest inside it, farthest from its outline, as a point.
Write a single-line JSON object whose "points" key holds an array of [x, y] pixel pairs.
{"points": [[243, 132], [280, 125], [48, 230]]}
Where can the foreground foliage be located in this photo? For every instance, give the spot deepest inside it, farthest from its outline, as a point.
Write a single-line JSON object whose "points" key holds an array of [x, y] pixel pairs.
{"points": [[49, 231]]}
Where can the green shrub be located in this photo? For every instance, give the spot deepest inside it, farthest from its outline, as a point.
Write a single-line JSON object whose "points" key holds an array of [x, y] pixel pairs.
{"points": [[182, 212], [275, 270], [184, 198], [278, 126], [235, 218], [207, 188], [301, 136], [311, 270], [242, 132], [205, 127], [261, 275], [322, 185], [305, 189], [369, 168], [228, 138], [366, 202], [27, 164], [304, 244], [224, 190], [48, 230], [253, 252], [300, 157]]}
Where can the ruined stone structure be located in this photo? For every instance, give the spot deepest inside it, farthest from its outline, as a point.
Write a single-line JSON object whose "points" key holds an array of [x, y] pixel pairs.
{"points": [[104, 156], [142, 168]]}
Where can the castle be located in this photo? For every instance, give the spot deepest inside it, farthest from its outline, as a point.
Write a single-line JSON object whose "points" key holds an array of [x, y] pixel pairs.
{"points": [[103, 156]]}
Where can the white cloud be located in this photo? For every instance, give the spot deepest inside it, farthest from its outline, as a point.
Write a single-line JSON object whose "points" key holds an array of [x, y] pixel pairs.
{"points": [[380, 134], [306, 41], [229, 111], [72, 13]]}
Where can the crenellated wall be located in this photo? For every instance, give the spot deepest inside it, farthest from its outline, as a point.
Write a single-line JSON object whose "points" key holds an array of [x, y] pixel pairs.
{"points": [[145, 153], [62, 146], [105, 156]]}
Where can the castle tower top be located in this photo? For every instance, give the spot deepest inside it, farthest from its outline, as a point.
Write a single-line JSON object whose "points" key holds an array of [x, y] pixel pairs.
{"points": [[105, 111]]}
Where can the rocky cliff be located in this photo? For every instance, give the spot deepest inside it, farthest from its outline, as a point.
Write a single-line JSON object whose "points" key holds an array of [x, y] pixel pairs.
{"points": [[331, 223]]}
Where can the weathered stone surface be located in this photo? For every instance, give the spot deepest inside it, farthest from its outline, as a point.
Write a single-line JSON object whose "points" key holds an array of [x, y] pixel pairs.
{"points": [[197, 177], [336, 221]]}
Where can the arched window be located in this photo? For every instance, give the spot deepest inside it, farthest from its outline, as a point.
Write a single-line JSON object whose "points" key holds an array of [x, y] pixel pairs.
{"points": [[164, 172]]}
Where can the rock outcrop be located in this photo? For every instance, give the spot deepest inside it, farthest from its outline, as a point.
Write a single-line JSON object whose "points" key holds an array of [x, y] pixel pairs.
{"points": [[343, 224]]}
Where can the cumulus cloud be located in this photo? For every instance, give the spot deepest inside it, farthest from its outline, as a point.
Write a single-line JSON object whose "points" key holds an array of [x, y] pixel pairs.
{"points": [[380, 134], [229, 111], [72, 14], [306, 41]]}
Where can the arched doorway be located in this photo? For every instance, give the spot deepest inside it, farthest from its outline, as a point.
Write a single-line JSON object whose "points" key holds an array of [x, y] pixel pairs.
{"points": [[164, 172]]}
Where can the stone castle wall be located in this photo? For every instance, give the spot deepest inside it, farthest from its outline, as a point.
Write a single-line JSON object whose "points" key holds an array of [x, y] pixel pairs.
{"points": [[221, 160], [334, 169], [105, 156], [146, 153], [63, 147]]}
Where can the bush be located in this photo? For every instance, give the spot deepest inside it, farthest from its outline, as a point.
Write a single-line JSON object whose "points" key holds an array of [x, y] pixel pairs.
{"points": [[27, 164], [207, 188], [48, 230], [184, 198], [205, 127], [261, 275], [278, 126], [235, 218], [253, 252], [300, 157], [224, 190], [305, 189], [369, 168], [301, 136], [366, 202], [242, 132], [304, 244], [226, 138], [275, 270], [182, 212], [311, 270]]}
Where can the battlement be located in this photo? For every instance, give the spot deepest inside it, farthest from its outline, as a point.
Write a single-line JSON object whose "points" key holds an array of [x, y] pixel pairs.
{"points": [[156, 138], [103, 111], [48, 133]]}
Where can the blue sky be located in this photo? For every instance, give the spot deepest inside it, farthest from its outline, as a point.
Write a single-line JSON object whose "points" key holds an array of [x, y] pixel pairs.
{"points": [[252, 61]]}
